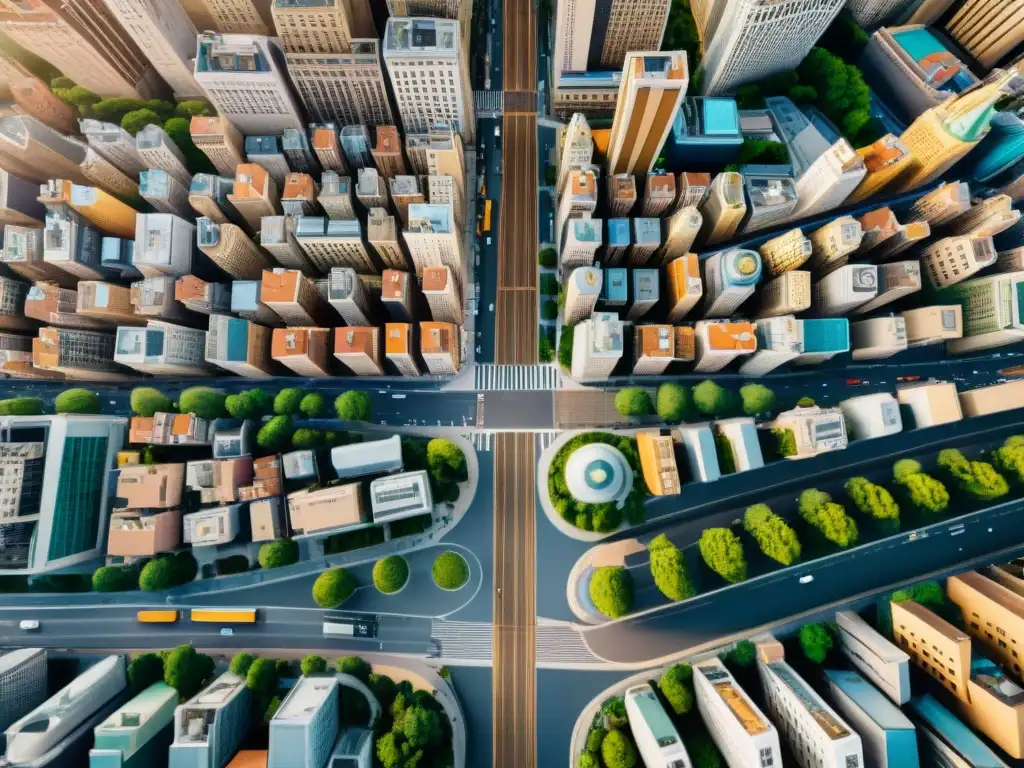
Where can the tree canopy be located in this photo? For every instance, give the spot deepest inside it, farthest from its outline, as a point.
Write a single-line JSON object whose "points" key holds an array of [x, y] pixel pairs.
{"points": [[872, 499], [333, 587], [147, 401], [756, 398], [772, 534], [204, 402], [274, 435], [611, 590], [712, 399], [77, 401], [977, 478], [275, 554], [677, 685], [829, 517], [185, 670], [722, 551], [354, 405], [390, 573], [633, 401], [673, 402], [923, 490], [670, 570], [816, 642]]}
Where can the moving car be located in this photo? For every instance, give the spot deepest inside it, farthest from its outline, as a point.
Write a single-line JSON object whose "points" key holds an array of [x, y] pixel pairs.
{"points": [[29, 625]]}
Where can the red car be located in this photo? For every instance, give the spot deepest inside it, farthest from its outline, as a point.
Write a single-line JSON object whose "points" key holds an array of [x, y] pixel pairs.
{"points": [[851, 382]]}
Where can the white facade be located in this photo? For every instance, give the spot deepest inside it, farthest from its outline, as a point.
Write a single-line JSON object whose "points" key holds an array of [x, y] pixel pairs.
{"points": [[433, 239], [895, 280], [845, 289], [157, 150], [583, 287], [874, 415], [165, 193], [787, 294], [402, 495], [577, 147], [348, 88], [815, 430], [208, 527], [163, 245], [698, 442], [114, 143], [162, 348], [876, 658], [954, 259], [580, 241], [597, 346], [779, 341], [878, 337]]}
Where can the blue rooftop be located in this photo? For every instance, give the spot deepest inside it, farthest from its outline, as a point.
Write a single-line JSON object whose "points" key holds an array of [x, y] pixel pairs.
{"points": [[932, 56], [614, 284], [869, 699], [618, 232], [826, 335], [948, 727], [262, 145], [245, 295]]}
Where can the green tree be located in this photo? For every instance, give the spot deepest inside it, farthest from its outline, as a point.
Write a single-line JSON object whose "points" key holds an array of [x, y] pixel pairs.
{"points": [[158, 574], [21, 406], [204, 402], [703, 751], [805, 402], [845, 37], [722, 551], [185, 670], [756, 398], [749, 96], [144, 670], [356, 666], [313, 665], [261, 678], [633, 401], [549, 309], [446, 461], [712, 399], [611, 590], [135, 121], [669, 569], [333, 587], [275, 433], [312, 405], [617, 750], [816, 642], [420, 726], [545, 352], [565, 341], [147, 401], [354, 405], [388, 751], [1009, 458], [240, 664], [673, 402], [772, 534], [829, 517], [111, 578], [450, 570], [194, 108], [872, 499], [306, 438], [978, 478], [785, 441], [77, 401], [923, 490], [178, 129], [114, 110], [677, 685], [548, 257], [248, 404], [742, 656], [614, 711], [288, 401], [761, 151], [275, 554], [595, 736], [390, 574]]}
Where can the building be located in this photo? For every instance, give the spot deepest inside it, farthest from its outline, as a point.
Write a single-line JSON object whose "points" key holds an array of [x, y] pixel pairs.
{"points": [[346, 86], [306, 723], [266, 519], [49, 303], [297, 150], [210, 527], [876, 415], [277, 237], [117, 255], [577, 150], [598, 36], [164, 244], [597, 346], [720, 342], [845, 289], [441, 347], [18, 203], [770, 198], [742, 733], [143, 533], [387, 151], [578, 199], [12, 306], [779, 341], [953, 259], [895, 280], [443, 190], [322, 27], [164, 192], [684, 286], [382, 233], [658, 463], [652, 88], [22, 253], [114, 143], [617, 242], [23, 678], [255, 194], [294, 297], [942, 204], [787, 294], [371, 457], [729, 280], [238, 16], [580, 241], [592, 94], [877, 659], [359, 349], [210, 727], [103, 209], [245, 79], [231, 249], [653, 349], [419, 53], [162, 349], [988, 218], [646, 240], [680, 230], [433, 239], [71, 244], [705, 133], [932, 325], [302, 349], [992, 399], [814, 430], [988, 30], [406, 191], [202, 296], [158, 150], [137, 733], [398, 295], [884, 160], [298, 196], [749, 40], [645, 293], [723, 208], [443, 295], [931, 403], [785, 252], [824, 338], [401, 348], [989, 320], [744, 449], [888, 738], [78, 354], [170, 429], [240, 346], [621, 194], [815, 733], [943, 738], [832, 244], [106, 303], [992, 615], [329, 243], [878, 337], [692, 188], [355, 143], [371, 189], [350, 297], [614, 288], [397, 496], [326, 510], [153, 297], [870, 14]]}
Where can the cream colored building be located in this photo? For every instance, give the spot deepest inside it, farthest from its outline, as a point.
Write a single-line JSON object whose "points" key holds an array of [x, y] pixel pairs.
{"points": [[582, 289], [577, 149], [723, 209], [996, 398], [441, 348], [580, 241], [832, 244], [684, 286], [329, 243], [220, 141], [787, 294], [931, 403], [433, 240], [323, 27], [785, 252], [988, 29], [346, 87], [934, 324], [235, 16], [232, 250], [597, 346], [441, 289], [622, 26], [382, 233], [942, 204], [954, 259], [293, 297], [680, 232], [884, 160], [255, 194]]}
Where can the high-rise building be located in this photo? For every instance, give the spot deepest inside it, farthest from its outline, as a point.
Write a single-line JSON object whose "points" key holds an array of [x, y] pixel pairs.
{"points": [[729, 280], [621, 194], [382, 234], [646, 240], [78, 354], [201, 296], [358, 347], [114, 143], [723, 208], [220, 141], [993, 609], [989, 217], [295, 146], [906, 235], [162, 349], [164, 244], [443, 154], [954, 259], [244, 78], [345, 86], [12, 306], [267, 152], [787, 251], [232, 250], [582, 289], [787, 294], [594, 35], [71, 244], [371, 189], [23, 677], [659, 193], [719, 342], [443, 190], [884, 160], [102, 209], [597, 346], [441, 347], [387, 151], [321, 27], [577, 149], [355, 143], [240, 346], [988, 29], [580, 241], [336, 196], [237, 16], [305, 725], [441, 289], [845, 289], [22, 253], [299, 196], [351, 298], [255, 194], [876, 226], [158, 150], [324, 139], [164, 192], [616, 245], [752, 39], [578, 198], [779, 341], [870, 14], [36, 152], [294, 297], [398, 295], [652, 88], [432, 238], [35, 99], [706, 132], [895, 280], [653, 349], [692, 188], [334, 243], [406, 191], [107, 304], [50, 304], [770, 199], [680, 231], [402, 348], [991, 309], [942, 204], [277, 236], [209, 727], [302, 349], [877, 337], [246, 303], [683, 286], [153, 298], [645, 293], [931, 325], [18, 203], [421, 53]]}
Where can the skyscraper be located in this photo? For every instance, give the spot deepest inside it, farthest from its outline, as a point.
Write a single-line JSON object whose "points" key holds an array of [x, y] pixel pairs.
{"points": [[441, 289], [306, 724], [267, 152], [432, 238], [255, 194], [580, 241], [597, 346], [441, 347], [683, 286], [220, 141], [294, 297], [954, 259], [164, 244], [884, 160], [359, 348], [232, 250], [295, 145], [299, 196], [344, 86], [785, 252], [164, 192], [652, 88], [22, 683], [680, 230], [302, 349], [325, 26], [382, 234], [621, 194], [158, 150], [350, 297], [583, 287], [163, 349], [103, 209], [988, 29], [78, 354], [245, 80], [18, 203], [874, 13], [597, 34], [336, 196], [114, 143], [334, 243], [578, 198], [577, 148], [387, 151], [402, 349], [723, 209]]}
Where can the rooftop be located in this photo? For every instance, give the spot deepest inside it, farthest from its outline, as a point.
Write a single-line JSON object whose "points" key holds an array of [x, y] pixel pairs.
{"points": [[305, 699], [438, 338], [408, 36]]}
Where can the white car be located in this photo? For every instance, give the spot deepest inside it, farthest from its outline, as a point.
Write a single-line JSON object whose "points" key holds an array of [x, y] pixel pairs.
{"points": [[806, 579], [227, 631], [29, 625]]}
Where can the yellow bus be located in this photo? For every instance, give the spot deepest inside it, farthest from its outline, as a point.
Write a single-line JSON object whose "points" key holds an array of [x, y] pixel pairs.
{"points": [[158, 617], [487, 216], [224, 615]]}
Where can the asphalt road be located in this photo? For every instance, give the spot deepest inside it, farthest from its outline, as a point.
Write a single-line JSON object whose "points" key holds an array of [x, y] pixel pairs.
{"points": [[489, 167]]}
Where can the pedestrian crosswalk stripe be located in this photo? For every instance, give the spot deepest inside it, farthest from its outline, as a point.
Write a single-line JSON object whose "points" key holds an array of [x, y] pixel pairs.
{"points": [[499, 377]]}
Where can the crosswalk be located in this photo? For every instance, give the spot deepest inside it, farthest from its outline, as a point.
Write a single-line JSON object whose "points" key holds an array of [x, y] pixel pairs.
{"points": [[482, 441], [489, 101], [497, 377], [545, 439], [466, 641], [558, 644]]}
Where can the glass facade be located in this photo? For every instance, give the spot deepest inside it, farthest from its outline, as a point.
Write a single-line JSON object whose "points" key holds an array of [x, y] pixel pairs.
{"points": [[79, 501]]}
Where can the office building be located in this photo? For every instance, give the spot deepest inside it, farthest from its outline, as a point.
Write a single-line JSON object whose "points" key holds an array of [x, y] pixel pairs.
{"points": [[646, 240], [680, 231], [992, 615], [12, 306], [322, 27], [954, 259], [444, 296], [785, 252], [78, 354], [106, 304], [106, 175], [398, 295], [986, 219], [244, 78], [303, 730], [440, 190], [324, 139], [932, 325], [723, 208], [298, 196], [326, 510], [232, 250], [580, 241], [683, 286], [293, 296], [102, 209], [597, 346], [220, 141], [114, 143], [895, 280], [992, 399], [210, 727], [884, 160], [779, 341], [653, 349], [254, 194], [645, 293], [266, 152], [692, 188], [942, 204], [266, 519], [22, 253], [442, 154], [770, 198], [164, 192], [158, 150], [814, 430], [355, 143], [744, 449], [824, 338], [350, 297], [201, 296], [698, 443], [382, 234], [578, 199], [405, 191], [33, 98], [877, 226], [162, 349], [718, 343], [990, 309], [742, 733], [729, 280], [420, 53], [787, 294], [387, 151], [50, 304], [164, 245], [931, 403], [329, 243], [652, 88], [905, 236], [433, 239], [621, 194], [705, 133], [153, 297], [750, 40], [845, 289], [868, 416], [117, 256], [347, 86], [876, 658], [441, 347], [335, 196], [371, 189], [71, 244], [577, 150], [137, 733], [23, 676], [401, 348], [18, 203], [36, 152], [988, 30], [240, 346], [658, 463], [615, 287], [372, 457], [832, 244], [296, 148], [246, 303], [358, 347], [871, 14]]}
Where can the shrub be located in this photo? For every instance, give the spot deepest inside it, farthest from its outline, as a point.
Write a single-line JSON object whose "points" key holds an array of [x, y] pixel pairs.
{"points": [[113, 578], [333, 587], [135, 121], [177, 128], [872, 499], [450, 570], [829, 517], [261, 678], [157, 574], [304, 438], [194, 108], [772, 534], [805, 402], [614, 711], [21, 406], [816, 642], [677, 685], [611, 590], [77, 401], [633, 401], [146, 401], [313, 665], [726, 457], [249, 404], [355, 666], [669, 569], [288, 401], [722, 550], [785, 441], [390, 574], [240, 664], [565, 340], [978, 478], [595, 736], [756, 399], [545, 352], [312, 405], [703, 751], [673, 402], [617, 751], [354, 405], [923, 491], [275, 433], [547, 257], [549, 309], [185, 670], [1009, 457], [711, 399], [548, 285], [275, 554], [204, 402], [446, 461], [742, 656], [143, 671]]}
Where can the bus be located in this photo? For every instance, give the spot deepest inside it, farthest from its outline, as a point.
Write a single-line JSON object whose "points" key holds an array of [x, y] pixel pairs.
{"points": [[487, 216], [157, 617], [656, 738], [358, 625], [224, 615]]}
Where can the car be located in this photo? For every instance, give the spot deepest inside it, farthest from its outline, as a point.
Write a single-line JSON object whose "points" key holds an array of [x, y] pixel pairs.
{"points": [[806, 579], [227, 631], [852, 382], [497, 130], [908, 378], [28, 625]]}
